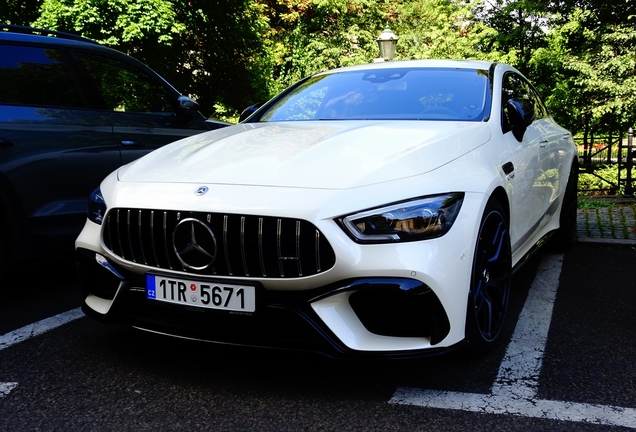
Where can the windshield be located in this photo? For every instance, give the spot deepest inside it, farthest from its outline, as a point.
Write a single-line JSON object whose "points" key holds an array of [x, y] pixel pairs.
{"points": [[387, 94]]}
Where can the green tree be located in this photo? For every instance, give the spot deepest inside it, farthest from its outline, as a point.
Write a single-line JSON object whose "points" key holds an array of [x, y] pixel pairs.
{"points": [[590, 71], [441, 29], [19, 12], [518, 27]]}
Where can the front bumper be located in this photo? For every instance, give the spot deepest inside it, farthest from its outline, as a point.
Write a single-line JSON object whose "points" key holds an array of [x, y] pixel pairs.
{"points": [[364, 317]]}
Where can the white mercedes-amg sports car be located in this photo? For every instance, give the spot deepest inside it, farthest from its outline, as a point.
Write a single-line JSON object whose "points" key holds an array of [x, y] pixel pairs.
{"points": [[375, 210]]}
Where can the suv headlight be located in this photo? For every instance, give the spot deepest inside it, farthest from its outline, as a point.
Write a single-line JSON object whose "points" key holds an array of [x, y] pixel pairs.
{"points": [[418, 219], [96, 206]]}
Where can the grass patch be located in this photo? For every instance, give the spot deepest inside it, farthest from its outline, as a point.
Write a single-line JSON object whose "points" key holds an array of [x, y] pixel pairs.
{"points": [[595, 204]]}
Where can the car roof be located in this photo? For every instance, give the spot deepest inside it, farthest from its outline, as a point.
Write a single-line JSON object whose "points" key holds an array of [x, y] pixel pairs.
{"points": [[454, 64], [24, 34]]}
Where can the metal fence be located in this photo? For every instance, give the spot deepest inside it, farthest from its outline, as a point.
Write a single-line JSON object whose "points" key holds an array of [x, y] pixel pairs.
{"points": [[629, 164], [596, 153]]}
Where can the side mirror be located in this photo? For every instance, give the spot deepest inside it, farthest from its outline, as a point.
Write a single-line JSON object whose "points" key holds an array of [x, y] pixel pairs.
{"points": [[186, 107], [249, 111], [521, 115]]}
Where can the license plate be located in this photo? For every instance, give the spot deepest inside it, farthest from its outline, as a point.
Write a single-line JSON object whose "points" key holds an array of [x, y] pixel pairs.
{"points": [[209, 295]]}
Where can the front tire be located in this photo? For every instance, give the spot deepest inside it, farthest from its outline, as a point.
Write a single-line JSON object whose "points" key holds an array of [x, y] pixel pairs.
{"points": [[490, 281]]}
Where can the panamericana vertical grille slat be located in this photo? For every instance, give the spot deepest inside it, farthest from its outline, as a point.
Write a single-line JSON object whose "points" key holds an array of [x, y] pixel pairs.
{"points": [[217, 244]]}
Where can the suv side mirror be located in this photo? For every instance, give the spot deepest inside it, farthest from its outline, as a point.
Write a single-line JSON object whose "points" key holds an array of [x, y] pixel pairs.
{"points": [[186, 107], [521, 115], [250, 110]]}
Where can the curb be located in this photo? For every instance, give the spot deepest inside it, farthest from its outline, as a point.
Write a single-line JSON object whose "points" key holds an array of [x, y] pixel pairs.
{"points": [[594, 240]]}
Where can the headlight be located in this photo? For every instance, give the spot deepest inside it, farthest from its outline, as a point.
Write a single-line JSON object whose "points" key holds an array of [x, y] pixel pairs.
{"points": [[419, 219], [96, 206]]}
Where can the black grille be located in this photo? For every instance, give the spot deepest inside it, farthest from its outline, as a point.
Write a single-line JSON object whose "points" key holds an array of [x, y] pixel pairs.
{"points": [[218, 244]]}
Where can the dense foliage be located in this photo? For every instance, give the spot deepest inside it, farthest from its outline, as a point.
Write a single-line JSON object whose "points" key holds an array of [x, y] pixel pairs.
{"points": [[231, 53]]}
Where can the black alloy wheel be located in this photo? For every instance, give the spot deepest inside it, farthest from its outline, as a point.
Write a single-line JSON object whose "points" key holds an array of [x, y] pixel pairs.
{"points": [[490, 281]]}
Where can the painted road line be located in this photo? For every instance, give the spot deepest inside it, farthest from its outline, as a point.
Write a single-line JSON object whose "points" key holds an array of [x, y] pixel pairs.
{"points": [[30, 331], [39, 328], [495, 404], [519, 370], [5, 388], [515, 388]]}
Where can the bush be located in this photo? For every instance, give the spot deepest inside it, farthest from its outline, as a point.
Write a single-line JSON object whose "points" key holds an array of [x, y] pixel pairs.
{"points": [[603, 181]]}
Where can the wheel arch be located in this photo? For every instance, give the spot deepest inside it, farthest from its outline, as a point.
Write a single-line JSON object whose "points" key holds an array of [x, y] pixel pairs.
{"points": [[501, 196]]}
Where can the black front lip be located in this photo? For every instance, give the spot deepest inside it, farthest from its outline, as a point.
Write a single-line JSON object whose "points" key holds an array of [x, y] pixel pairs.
{"points": [[284, 320], [330, 352]]}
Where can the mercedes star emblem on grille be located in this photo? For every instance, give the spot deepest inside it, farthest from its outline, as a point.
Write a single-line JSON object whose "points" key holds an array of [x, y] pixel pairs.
{"points": [[194, 243]]}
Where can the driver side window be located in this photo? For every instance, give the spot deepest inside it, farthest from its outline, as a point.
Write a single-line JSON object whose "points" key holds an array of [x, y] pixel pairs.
{"points": [[514, 87]]}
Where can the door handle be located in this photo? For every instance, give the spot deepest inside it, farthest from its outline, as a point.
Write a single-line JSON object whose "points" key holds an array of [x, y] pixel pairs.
{"points": [[131, 143]]}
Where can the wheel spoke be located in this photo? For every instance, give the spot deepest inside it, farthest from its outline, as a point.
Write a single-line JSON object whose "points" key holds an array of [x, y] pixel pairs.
{"points": [[498, 242], [484, 310]]}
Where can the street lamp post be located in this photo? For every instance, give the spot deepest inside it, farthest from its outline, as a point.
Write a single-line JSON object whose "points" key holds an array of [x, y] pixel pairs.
{"points": [[387, 42]]}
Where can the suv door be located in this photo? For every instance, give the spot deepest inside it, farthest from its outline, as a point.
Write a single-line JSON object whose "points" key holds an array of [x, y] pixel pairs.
{"points": [[53, 150], [141, 107]]}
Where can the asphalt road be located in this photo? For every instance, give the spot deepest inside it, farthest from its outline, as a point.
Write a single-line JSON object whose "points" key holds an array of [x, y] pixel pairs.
{"points": [[86, 376]]}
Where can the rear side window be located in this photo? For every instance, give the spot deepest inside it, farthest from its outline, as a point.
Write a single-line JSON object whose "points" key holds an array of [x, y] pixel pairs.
{"points": [[37, 76], [124, 88]]}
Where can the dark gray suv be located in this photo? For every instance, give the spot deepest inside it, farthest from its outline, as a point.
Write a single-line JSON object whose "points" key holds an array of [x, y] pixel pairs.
{"points": [[72, 111]]}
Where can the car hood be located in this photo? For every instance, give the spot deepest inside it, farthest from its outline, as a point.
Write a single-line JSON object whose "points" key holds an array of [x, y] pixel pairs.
{"points": [[327, 155]]}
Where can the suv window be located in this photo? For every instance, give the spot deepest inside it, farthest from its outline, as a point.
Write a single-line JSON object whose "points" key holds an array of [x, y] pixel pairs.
{"points": [[37, 76], [123, 88]]}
